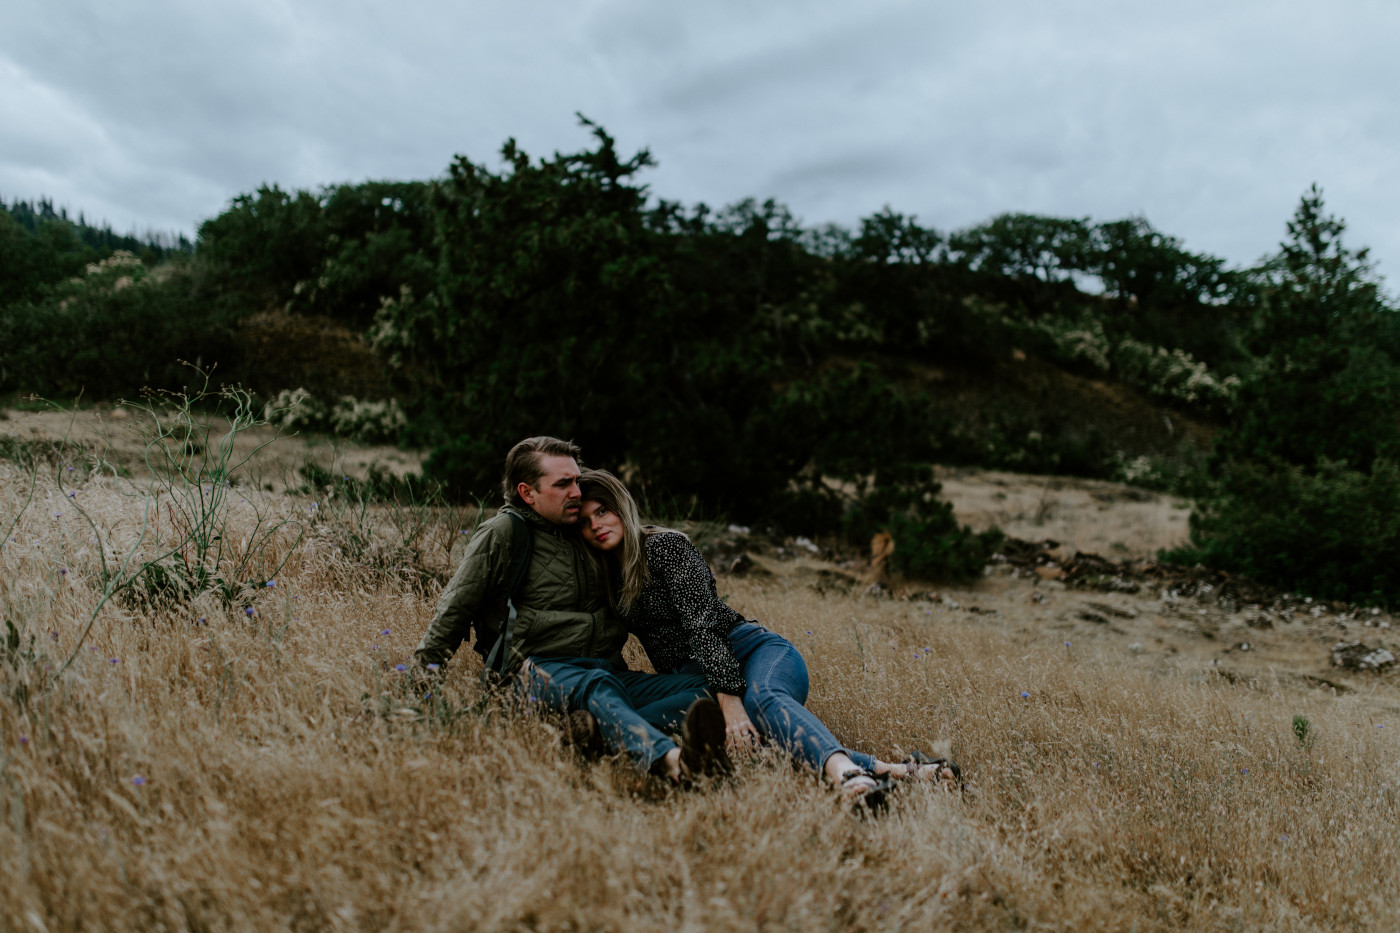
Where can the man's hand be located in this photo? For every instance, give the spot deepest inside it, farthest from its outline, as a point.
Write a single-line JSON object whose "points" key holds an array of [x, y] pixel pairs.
{"points": [[739, 731]]}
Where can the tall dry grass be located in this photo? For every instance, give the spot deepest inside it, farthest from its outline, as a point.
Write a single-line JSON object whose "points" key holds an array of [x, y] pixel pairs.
{"points": [[201, 768]]}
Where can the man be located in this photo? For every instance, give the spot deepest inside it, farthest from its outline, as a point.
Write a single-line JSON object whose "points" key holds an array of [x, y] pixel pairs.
{"points": [[566, 642]]}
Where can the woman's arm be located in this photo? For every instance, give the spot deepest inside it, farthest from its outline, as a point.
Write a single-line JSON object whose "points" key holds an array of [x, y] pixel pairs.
{"points": [[689, 587]]}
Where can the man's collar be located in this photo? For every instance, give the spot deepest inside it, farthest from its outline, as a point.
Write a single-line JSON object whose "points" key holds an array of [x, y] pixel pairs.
{"points": [[534, 518]]}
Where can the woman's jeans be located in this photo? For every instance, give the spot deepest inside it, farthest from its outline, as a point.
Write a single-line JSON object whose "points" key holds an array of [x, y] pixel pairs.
{"points": [[777, 688]]}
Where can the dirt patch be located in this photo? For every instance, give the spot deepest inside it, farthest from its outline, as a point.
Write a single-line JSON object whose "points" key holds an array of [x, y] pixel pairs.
{"points": [[1084, 515]]}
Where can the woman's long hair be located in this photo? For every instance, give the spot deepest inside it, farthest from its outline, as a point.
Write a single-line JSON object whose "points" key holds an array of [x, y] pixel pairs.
{"points": [[609, 492]]}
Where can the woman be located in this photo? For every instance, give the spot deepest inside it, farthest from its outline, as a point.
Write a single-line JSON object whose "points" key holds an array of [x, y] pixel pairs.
{"points": [[665, 592]]}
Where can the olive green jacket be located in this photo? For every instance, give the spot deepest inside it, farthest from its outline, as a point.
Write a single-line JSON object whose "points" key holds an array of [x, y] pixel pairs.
{"points": [[562, 611]]}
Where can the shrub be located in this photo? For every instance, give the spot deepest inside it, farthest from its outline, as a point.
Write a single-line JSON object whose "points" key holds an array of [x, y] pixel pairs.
{"points": [[1331, 532], [365, 421], [113, 331], [1174, 375]]}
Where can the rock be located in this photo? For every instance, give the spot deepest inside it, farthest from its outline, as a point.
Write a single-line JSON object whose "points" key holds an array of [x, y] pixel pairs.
{"points": [[1050, 572], [1354, 656]]}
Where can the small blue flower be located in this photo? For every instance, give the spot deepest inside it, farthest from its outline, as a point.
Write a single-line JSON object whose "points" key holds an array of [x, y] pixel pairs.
{"points": [[139, 781], [432, 667], [385, 632], [1067, 644], [271, 583], [1380, 725], [427, 696], [63, 571], [201, 620], [115, 660], [400, 667], [72, 495], [24, 740], [1025, 695], [248, 611]]}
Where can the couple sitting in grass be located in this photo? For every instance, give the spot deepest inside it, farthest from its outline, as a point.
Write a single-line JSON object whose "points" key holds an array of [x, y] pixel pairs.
{"points": [[555, 623]]}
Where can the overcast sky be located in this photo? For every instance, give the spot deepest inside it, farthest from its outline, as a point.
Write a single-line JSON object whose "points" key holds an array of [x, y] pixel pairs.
{"points": [[1209, 118]]}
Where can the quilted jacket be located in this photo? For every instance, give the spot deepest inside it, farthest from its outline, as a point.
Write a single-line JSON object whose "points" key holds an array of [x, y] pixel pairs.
{"points": [[562, 611]]}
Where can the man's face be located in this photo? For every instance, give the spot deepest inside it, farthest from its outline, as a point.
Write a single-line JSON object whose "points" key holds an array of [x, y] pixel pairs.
{"points": [[556, 496]]}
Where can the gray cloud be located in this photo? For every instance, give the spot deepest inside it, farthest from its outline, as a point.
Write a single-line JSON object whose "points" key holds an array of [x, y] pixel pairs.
{"points": [[1209, 118]]}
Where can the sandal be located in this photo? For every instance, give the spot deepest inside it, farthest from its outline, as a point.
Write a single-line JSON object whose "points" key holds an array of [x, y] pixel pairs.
{"points": [[945, 771], [864, 791]]}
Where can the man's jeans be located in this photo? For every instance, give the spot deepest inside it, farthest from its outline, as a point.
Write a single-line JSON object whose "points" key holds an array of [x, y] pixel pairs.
{"points": [[634, 710], [777, 687]]}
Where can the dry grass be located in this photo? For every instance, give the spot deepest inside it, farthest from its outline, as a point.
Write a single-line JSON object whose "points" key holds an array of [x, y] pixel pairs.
{"points": [[270, 772]]}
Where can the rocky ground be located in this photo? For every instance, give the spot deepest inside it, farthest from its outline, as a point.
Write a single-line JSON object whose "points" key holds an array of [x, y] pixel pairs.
{"points": [[1049, 584]]}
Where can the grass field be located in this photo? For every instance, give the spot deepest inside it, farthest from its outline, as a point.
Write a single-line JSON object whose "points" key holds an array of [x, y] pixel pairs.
{"points": [[201, 767]]}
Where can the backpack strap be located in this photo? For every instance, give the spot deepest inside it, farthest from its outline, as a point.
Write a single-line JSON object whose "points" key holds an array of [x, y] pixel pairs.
{"points": [[522, 546]]}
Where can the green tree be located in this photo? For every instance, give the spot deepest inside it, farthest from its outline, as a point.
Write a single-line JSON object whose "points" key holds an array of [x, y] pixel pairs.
{"points": [[1325, 385], [556, 312]]}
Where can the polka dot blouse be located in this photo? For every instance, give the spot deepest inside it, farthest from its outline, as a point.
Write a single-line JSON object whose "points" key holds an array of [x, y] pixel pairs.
{"points": [[679, 616]]}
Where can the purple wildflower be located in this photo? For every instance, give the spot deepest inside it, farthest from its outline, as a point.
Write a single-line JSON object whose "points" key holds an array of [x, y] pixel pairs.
{"points": [[115, 660], [248, 611], [271, 583], [432, 667], [138, 780], [400, 667], [24, 740], [385, 632], [1025, 695]]}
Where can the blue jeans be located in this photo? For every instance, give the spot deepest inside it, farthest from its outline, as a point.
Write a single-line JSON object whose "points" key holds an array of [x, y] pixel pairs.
{"points": [[777, 687], [633, 709]]}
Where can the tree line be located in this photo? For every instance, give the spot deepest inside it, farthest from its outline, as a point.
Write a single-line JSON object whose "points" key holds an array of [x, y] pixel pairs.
{"points": [[736, 361]]}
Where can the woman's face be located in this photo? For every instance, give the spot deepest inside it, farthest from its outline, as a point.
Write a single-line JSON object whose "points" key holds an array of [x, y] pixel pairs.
{"points": [[601, 526]]}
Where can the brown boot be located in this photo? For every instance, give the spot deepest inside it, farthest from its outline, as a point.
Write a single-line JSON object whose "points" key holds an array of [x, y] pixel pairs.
{"points": [[582, 734], [702, 740]]}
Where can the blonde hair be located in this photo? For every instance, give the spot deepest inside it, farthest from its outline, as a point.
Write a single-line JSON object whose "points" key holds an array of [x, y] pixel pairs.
{"points": [[609, 492]]}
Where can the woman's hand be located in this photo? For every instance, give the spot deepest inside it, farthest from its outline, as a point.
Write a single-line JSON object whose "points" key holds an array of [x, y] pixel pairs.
{"points": [[739, 731]]}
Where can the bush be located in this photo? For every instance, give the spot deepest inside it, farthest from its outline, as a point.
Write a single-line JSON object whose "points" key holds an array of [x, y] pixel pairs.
{"points": [[1331, 532], [115, 330], [365, 421]]}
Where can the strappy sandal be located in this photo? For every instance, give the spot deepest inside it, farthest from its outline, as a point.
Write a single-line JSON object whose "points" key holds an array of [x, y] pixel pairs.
{"points": [[920, 767], [864, 791]]}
